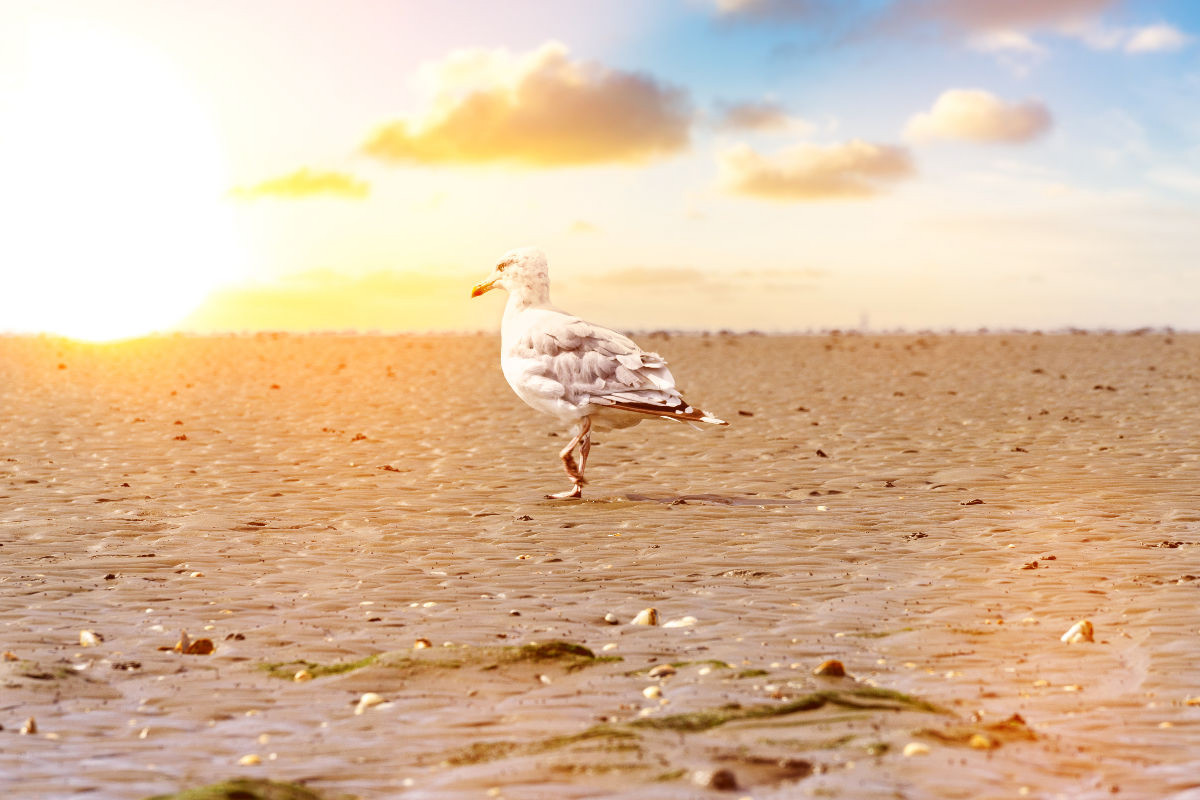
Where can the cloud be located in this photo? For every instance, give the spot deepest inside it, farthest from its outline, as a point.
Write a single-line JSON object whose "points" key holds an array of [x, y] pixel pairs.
{"points": [[1007, 41], [948, 16], [1008, 26], [981, 16], [1005, 27], [541, 109], [1156, 39], [979, 116], [1016, 51], [776, 9], [761, 117], [814, 172], [306, 183]]}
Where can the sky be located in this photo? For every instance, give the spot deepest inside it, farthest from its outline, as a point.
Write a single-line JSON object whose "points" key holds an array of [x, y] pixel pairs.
{"points": [[779, 165]]}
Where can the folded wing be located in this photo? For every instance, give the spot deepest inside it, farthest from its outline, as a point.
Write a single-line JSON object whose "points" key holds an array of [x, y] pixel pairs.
{"points": [[598, 366]]}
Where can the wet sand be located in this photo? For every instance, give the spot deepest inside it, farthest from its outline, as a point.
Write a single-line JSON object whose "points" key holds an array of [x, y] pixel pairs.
{"points": [[305, 502]]}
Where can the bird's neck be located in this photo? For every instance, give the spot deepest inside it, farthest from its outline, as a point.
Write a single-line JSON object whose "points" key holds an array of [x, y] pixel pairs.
{"points": [[527, 295]]}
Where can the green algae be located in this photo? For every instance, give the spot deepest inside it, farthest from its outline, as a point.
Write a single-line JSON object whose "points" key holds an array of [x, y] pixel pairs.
{"points": [[481, 752], [567, 655], [288, 669], [243, 789], [624, 736], [751, 673], [867, 698]]}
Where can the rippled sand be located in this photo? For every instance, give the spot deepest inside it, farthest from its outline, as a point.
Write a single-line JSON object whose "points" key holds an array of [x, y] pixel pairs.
{"points": [[318, 500]]}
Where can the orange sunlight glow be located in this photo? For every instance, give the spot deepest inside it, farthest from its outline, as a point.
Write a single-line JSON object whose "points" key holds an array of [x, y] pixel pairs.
{"points": [[114, 206]]}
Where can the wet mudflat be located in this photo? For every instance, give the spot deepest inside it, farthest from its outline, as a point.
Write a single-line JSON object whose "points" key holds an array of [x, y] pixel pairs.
{"points": [[357, 525]]}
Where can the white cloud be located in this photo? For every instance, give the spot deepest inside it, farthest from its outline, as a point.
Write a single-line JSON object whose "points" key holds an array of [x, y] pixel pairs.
{"points": [[1156, 39], [979, 116], [1006, 41], [763, 117], [540, 109], [814, 172]]}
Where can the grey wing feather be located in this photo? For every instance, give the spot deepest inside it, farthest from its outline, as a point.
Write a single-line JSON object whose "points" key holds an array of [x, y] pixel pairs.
{"points": [[600, 366]]}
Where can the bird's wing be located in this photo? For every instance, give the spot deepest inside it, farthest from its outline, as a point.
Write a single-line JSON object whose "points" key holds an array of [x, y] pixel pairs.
{"points": [[598, 366]]}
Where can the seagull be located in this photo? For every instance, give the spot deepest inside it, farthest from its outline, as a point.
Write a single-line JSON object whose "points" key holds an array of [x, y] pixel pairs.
{"points": [[585, 375]]}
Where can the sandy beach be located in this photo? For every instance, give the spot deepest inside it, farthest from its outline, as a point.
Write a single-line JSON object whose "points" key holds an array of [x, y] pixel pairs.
{"points": [[933, 511]]}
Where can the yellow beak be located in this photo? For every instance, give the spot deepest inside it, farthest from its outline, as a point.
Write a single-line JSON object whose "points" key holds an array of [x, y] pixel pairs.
{"points": [[484, 287]]}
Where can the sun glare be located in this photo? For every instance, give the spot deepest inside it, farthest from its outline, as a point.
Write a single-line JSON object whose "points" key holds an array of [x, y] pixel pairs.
{"points": [[113, 199]]}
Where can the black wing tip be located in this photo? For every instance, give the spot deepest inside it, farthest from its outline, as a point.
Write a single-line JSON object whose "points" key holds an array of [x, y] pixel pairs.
{"points": [[679, 413]]}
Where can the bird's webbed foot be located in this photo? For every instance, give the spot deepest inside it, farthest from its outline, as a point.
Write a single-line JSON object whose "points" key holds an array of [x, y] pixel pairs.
{"points": [[574, 493]]}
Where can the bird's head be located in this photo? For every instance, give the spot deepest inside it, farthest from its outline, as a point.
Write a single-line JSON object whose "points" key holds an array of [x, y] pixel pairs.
{"points": [[522, 271]]}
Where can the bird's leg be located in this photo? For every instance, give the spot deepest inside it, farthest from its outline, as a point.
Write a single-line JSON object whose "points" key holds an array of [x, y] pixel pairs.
{"points": [[573, 470], [585, 444], [568, 453]]}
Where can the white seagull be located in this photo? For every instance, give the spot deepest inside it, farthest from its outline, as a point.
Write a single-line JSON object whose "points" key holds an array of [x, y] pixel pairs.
{"points": [[585, 375]]}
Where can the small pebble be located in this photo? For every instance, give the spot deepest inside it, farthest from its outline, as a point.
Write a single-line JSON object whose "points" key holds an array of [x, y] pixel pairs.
{"points": [[9, 655], [661, 671], [1081, 631], [611, 619], [681, 622], [250, 760], [652, 692], [647, 616], [720, 779], [981, 742], [916, 749], [420, 644], [831, 668], [302, 675], [89, 639], [29, 727], [367, 701]]}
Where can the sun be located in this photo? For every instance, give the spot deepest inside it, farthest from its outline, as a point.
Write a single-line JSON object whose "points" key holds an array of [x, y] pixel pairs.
{"points": [[114, 197]]}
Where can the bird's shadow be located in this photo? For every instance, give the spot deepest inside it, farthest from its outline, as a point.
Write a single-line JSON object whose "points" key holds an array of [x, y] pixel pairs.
{"points": [[685, 499]]}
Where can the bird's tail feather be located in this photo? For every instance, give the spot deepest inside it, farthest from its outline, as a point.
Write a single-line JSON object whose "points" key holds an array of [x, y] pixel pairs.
{"points": [[679, 413]]}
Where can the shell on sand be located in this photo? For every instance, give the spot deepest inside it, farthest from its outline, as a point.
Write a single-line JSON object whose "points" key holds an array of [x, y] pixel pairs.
{"points": [[830, 668], [368, 700], [1082, 631], [647, 616]]}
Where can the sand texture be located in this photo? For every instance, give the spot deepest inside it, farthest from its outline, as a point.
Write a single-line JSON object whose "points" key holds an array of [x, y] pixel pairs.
{"points": [[932, 511]]}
